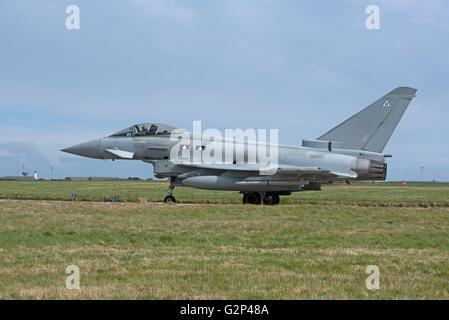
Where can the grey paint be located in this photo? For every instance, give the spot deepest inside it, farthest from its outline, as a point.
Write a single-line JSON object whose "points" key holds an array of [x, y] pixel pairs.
{"points": [[376, 122], [350, 151]]}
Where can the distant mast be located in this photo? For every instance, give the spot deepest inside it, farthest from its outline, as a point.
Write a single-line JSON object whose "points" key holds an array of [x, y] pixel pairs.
{"points": [[24, 173]]}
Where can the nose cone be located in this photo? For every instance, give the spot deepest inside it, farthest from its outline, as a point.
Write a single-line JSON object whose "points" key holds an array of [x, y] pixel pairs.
{"points": [[91, 149]]}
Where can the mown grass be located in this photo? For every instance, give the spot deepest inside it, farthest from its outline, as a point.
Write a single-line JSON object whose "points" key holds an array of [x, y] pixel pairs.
{"points": [[157, 251], [365, 194], [148, 250]]}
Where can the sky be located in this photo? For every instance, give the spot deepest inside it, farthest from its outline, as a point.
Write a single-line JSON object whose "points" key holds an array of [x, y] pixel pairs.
{"points": [[300, 67]]}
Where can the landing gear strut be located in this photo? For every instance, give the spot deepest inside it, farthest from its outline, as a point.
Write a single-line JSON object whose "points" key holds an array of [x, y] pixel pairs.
{"points": [[170, 197]]}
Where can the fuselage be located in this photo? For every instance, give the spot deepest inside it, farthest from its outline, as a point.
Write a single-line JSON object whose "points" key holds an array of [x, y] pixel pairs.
{"points": [[260, 170], [172, 158]]}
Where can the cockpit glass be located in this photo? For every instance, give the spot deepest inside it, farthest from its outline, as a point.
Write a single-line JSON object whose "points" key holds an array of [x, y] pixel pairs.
{"points": [[124, 133], [145, 129]]}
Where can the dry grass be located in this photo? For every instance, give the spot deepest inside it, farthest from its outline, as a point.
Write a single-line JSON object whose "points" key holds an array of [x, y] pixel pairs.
{"points": [[154, 251]]}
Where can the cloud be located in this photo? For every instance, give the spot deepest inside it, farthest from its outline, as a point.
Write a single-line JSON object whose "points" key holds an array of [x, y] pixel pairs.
{"points": [[167, 9], [5, 153], [301, 67], [43, 142], [34, 160]]}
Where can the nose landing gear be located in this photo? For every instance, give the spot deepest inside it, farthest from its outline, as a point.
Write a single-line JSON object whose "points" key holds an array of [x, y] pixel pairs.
{"points": [[170, 197]]}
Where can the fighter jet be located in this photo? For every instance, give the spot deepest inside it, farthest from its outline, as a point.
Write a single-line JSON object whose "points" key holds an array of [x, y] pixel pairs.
{"points": [[353, 150]]}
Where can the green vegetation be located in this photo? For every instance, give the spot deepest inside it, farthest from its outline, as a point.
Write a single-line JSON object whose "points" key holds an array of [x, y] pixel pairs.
{"points": [[147, 250], [364, 194]]}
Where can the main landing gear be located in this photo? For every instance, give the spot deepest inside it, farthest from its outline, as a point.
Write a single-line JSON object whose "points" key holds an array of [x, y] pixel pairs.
{"points": [[270, 198], [170, 197]]}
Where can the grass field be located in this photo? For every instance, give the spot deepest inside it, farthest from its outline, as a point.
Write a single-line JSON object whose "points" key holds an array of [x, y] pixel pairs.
{"points": [[363, 194], [315, 245]]}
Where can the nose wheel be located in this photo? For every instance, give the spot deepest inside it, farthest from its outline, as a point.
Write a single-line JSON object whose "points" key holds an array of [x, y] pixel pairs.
{"points": [[170, 197]]}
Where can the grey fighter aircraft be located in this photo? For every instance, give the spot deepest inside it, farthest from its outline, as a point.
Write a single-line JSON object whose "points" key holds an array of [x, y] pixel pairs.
{"points": [[353, 150]]}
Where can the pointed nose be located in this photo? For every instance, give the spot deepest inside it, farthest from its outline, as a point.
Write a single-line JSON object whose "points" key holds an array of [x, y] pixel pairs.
{"points": [[91, 149]]}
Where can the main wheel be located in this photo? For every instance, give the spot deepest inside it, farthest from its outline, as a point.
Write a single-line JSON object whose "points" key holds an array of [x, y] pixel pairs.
{"points": [[245, 198], [254, 198], [169, 198], [277, 199], [269, 199]]}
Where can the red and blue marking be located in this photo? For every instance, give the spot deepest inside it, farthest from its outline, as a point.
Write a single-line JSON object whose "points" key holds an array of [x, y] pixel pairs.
{"points": [[364, 137]]}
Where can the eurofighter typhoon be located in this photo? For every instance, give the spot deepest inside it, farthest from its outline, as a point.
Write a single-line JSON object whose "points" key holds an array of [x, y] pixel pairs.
{"points": [[261, 171]]}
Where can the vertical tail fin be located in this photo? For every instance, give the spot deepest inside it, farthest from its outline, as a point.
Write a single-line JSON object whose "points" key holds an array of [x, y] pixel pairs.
{"points": [[371, 128]]}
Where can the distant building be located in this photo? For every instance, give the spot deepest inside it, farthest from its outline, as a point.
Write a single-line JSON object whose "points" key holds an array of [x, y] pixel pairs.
{"points": [[77, 178], [17, 178], [104, 178], [91, 179]]}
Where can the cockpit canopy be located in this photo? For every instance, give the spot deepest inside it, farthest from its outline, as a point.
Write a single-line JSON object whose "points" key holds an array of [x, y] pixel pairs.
{"points": [[145, 129]]}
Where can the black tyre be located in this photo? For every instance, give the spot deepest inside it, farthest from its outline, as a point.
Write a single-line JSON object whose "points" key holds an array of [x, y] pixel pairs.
{"points": [[269, 199], [169, 198], [254, 198], [277, 199]]}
